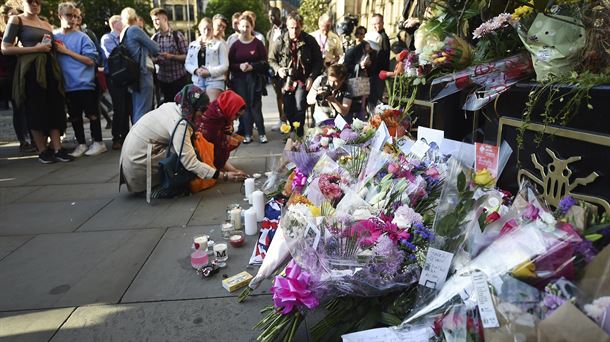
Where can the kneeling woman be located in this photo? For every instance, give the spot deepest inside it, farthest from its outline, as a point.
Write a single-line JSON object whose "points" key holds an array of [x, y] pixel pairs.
{"points": [[156, 128]]}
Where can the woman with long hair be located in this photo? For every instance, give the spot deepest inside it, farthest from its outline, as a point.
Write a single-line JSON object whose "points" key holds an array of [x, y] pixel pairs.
{"points": [[248, 64], [43, 104], [207, 60]]}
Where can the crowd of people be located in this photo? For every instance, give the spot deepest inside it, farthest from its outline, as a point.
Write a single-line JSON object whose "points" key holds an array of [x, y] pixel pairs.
{"points": [[62, 73]]}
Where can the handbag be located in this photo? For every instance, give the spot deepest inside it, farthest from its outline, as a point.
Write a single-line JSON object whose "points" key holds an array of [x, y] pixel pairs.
{"points": [[205, 154], [359, 86], [175, 177]]}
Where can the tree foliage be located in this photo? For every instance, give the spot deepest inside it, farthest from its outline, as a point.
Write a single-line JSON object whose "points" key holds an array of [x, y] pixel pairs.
{"points": [[311, 10], [95, 12], [228, 7]]}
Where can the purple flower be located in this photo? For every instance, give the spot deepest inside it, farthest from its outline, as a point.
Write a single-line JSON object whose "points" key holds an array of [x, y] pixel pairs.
{"points": [[293, 290], [565, 204], [348, 135], [531, 212]]}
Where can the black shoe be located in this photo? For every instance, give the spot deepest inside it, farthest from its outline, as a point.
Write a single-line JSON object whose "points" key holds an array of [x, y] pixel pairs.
{"points": [[47, 157], [63, 156], [26, 147]]}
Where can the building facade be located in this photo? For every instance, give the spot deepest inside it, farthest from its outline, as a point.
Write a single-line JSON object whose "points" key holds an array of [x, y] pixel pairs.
{"points": [[285, 6], [183, 14]]}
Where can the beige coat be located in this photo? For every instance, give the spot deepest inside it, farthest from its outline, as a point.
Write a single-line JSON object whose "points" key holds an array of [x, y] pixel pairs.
{"points": [[156, 127]]}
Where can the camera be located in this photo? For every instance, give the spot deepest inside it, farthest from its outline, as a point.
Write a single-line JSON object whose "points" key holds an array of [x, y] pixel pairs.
{"points": [[346, 26], [323, 93], [289, 82]]}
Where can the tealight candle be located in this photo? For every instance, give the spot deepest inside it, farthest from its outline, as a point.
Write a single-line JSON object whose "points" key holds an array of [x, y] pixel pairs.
{"points": [[226, 229], [237, 238]]}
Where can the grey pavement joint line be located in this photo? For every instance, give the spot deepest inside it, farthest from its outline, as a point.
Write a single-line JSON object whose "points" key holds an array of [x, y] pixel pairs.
{"points": [[135, 276], [62, 324], [21, 245], [93, 214]]}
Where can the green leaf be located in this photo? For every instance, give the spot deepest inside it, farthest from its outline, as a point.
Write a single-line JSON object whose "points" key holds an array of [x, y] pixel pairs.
{"points": [[447, 224], [461, 182], [594, 237], [482, 218]]}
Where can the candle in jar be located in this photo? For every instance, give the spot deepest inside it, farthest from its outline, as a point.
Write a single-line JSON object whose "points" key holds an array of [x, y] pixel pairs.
{"points": [[249, 188], [258, 203], [199, 259], [237, 240], [226, 229], [250, 221], [201, 242], [236, 218]]}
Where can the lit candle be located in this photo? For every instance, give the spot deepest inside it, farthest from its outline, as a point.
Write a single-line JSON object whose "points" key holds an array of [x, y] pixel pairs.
{"points": [[258, 203], [236, 218], [237, 239], [249, 188], [250, 221]]}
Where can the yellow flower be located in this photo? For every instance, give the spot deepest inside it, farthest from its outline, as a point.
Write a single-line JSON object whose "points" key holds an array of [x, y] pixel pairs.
{"points": [[522, 11], [285, 128], [296, 124], [315, 211], [484, 178], [526, 270]]}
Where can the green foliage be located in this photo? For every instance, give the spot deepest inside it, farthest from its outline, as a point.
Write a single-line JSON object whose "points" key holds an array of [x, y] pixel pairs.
{"points": [[97, 12], [228, 7], [311, 10]]}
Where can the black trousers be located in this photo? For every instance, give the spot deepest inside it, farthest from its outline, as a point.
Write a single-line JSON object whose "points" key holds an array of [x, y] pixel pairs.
{"points": [[170, 89], [122, 107]]}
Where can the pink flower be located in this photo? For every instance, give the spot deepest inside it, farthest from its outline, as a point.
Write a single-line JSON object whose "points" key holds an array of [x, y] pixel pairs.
{"points": [[531, 212], [432, 172], [508, 227], [383, 75], [493, 217]]}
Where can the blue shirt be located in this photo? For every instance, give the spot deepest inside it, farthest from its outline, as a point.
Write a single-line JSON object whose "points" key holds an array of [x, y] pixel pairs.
{"points": [[139, 45], [109, 42], [77, 75]]}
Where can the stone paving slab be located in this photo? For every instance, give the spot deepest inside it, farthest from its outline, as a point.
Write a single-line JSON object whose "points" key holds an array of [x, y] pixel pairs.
{"points": [[32, 326], [11, 243], [168, 274], [80, 174], [47, 217], [12, 193], [214, 202], [131, 212], [26, 172], [61, 270], [221, 319], [70, 192]]}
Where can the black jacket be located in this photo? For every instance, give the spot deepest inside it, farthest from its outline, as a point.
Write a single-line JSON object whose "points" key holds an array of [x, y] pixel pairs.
{"points": [[383, 55], [309, 55]]}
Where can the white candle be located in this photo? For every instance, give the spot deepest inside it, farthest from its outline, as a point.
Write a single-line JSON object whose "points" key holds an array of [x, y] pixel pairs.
{"points": [[236, 218], [258, 203], [249, 188], [250, 221]]}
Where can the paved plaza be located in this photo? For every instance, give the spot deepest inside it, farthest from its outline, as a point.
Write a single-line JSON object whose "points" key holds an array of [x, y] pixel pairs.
{"points": [[81, 261]]}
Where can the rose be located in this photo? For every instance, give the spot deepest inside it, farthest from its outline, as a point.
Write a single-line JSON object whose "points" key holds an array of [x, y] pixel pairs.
{"points": [[285, 128], [484, 178], [383, 75]]}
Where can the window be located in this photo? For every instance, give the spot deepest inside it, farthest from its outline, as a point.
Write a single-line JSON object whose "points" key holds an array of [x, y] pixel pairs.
{"points": [[170, 12], [179, 13]]}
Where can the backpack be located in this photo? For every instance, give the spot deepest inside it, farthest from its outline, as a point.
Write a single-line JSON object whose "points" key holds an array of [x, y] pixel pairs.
{"points": [[124, 70]]}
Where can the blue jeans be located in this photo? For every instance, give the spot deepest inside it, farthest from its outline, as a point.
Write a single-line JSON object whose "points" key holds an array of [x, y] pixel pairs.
{"points": [[142, 97], [246, 88], [295, 105]]}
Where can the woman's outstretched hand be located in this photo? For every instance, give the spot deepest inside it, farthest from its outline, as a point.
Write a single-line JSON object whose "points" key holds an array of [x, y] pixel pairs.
{"points": [[235, 176]]}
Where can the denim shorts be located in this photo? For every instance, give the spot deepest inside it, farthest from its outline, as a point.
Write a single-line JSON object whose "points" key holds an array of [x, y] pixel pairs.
{"points": [[206, 83]]}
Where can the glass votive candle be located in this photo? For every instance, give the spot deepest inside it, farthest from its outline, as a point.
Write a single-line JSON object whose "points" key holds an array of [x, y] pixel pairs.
{"points": [[237, 238], [199, 259], [226, 229]]}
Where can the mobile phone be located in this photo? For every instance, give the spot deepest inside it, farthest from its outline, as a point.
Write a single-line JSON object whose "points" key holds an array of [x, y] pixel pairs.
{"points": [[46, 39]]}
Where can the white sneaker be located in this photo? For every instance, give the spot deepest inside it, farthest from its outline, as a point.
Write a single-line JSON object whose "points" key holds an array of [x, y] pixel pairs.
{"points": [[79, 151], [96, 148]]}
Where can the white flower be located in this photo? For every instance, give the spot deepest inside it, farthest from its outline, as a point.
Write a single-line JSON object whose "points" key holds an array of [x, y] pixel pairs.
{"points": [[405, 217], [358, 124], [597, 309], [324, 141], [338, 142], [362, 214], [330, 131]]}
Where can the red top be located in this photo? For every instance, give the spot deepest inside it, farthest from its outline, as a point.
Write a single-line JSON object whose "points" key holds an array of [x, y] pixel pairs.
{"points": [[239, 52]]}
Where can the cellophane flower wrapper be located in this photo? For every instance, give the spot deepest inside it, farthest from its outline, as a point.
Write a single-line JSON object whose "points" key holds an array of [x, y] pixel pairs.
{"points": [[303, 159], [555, 43], [529, 242]]}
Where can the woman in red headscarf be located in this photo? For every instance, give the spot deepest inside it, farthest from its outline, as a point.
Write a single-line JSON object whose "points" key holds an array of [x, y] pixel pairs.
{"points": [[216, 125]]}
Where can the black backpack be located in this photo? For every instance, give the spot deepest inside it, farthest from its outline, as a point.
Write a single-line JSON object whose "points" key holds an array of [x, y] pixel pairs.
{"points": [[124, 70]]}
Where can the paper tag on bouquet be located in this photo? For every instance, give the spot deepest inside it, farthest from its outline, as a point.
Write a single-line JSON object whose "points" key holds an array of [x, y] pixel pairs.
{"points": [[485, 304], [313, 232], [486, 157], [436, 268], [340, 122], [380, 137], [419, 149], [430, 135], [421, 334]]}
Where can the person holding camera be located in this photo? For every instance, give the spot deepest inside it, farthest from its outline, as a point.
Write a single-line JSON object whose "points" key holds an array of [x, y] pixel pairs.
{"points": [[330, 95], [297, 60]]}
